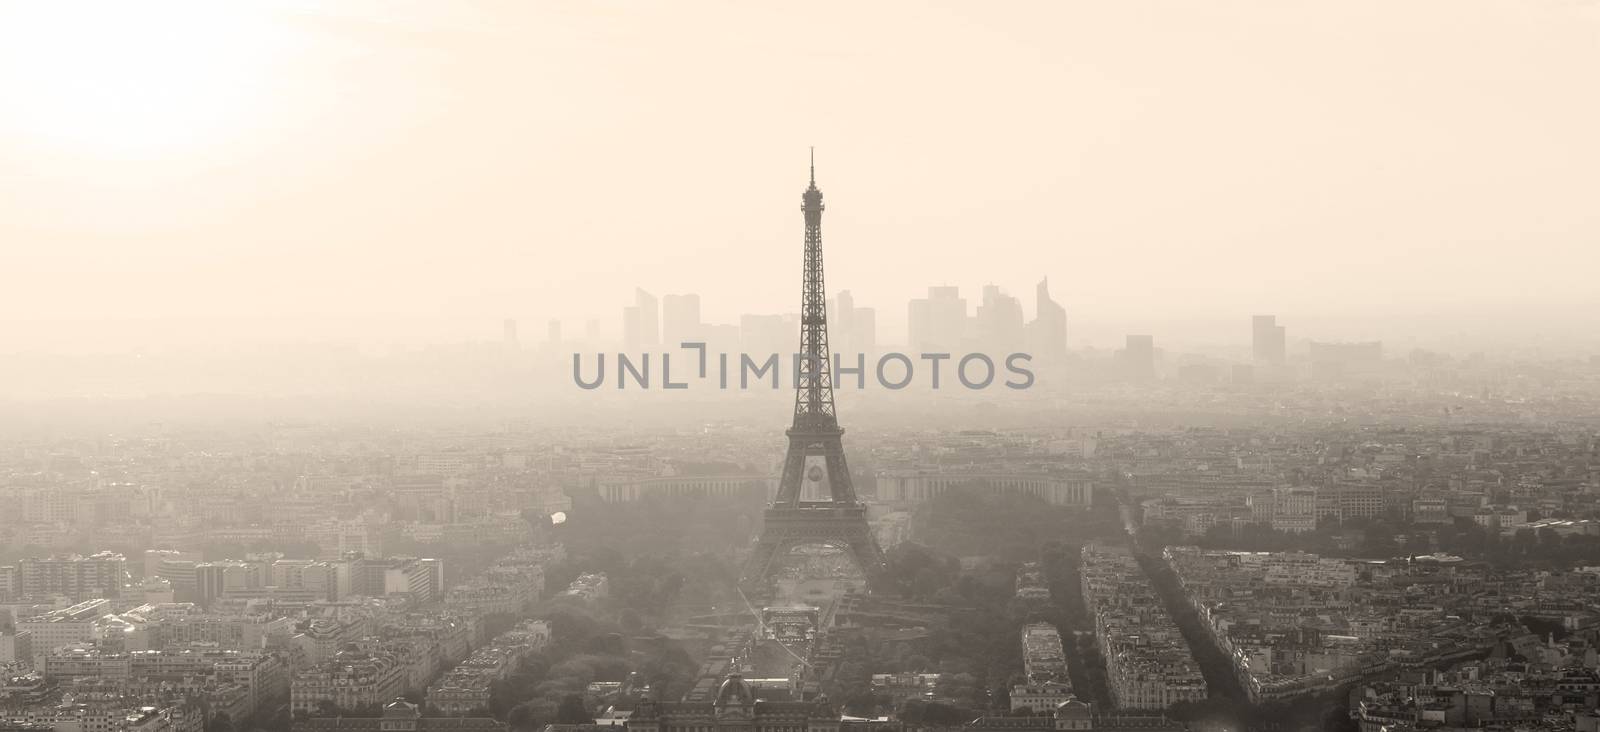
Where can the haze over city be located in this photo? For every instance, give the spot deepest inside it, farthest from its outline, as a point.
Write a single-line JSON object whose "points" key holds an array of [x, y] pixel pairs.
{"points": [[188, 173], [698, 366]]}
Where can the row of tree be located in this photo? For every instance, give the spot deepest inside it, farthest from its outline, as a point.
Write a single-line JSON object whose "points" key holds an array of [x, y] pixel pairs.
{"points": [[1007, 526], [1069, 612], [1383, 538], [549, 686]]}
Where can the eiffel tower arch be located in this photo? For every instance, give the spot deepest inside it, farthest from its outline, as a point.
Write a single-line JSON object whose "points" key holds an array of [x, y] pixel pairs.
{"points": [[816, 501]]}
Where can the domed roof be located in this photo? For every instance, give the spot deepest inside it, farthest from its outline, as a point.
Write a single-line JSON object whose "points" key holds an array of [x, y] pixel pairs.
{"points": [[735, 690]]}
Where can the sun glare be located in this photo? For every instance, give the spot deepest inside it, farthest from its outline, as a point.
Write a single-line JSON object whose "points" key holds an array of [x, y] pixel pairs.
{"points": [[131, 79]]}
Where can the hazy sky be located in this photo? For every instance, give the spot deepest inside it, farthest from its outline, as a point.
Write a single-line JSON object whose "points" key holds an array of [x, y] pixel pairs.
{"points": [[478, 160]]}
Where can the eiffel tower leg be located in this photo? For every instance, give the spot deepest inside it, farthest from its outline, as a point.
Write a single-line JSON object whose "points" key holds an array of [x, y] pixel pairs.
{"points": [[868, 557], [839, 480], [758, 568], [794, 464]]}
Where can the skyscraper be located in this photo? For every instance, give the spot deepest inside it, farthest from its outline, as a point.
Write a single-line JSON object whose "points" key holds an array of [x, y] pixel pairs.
{"points": [[1139, 358], [1047, 334], [761, 334], [1267, 339], [680, 319], [938, 322], [855, 330], [839, 334], [864, 330], [999, 322], [641, 322]]}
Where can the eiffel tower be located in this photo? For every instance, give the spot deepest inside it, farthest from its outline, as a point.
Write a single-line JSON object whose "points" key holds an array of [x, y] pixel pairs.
{"points": [[815, 463]]}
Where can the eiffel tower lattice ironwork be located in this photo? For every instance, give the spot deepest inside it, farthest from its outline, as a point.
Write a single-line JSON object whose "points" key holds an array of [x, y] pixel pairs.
{"points": [[815, 462]]}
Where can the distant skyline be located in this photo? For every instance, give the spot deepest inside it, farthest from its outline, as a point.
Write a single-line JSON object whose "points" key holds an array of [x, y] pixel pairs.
{"points": [[1362, 169], [1548, 332]]}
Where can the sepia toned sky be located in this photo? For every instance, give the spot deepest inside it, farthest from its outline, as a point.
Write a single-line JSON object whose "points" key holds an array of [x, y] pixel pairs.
{"points": [[1350, 163]]}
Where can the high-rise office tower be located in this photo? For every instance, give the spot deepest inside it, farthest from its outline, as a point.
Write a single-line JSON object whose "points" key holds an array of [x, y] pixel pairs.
{"points": [[1267, 339], [838, 312], [763, 334], [1047, 334], [720, 337], [864, 330], [938, 322], [855, 330], [641, 322], [680, 319], [999, 322], [919, 318], [649, 317], [1139, 358]]}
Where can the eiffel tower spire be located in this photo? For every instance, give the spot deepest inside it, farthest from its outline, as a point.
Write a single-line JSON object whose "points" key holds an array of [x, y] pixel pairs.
{"points": [[813, 398]]}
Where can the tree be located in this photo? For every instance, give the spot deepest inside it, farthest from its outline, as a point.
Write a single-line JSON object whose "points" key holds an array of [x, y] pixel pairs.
{"points": [[959, 686], [530, 715], [863, 703], [936, 714], [573, 711]]}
